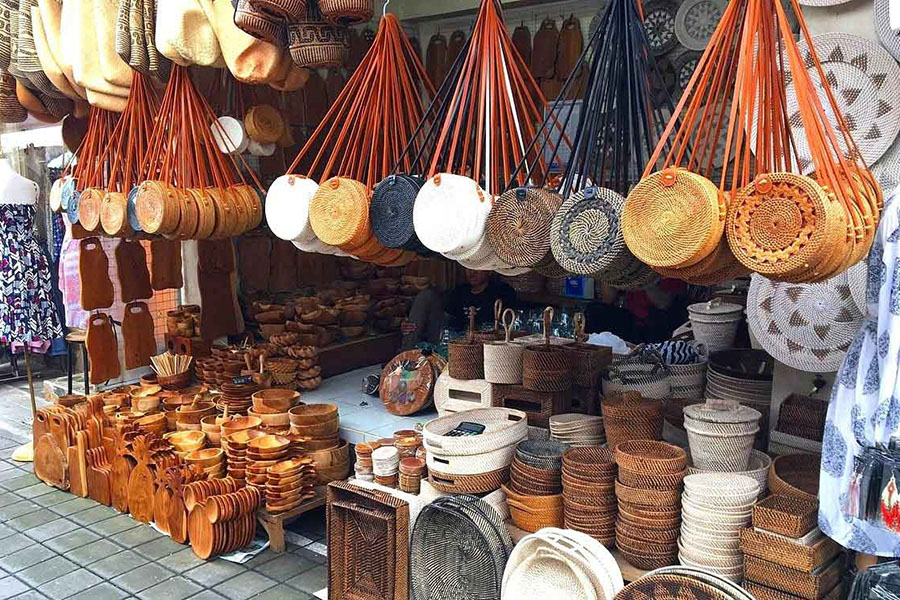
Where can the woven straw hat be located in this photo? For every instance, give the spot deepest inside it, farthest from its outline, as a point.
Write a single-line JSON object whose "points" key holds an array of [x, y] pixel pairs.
{"points": [[586, 234], [450, 213], [287, 207], [806, 326], [339, 212]]}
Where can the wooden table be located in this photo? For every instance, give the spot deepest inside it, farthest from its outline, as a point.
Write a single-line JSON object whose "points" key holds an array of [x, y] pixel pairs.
{"points": [[274, 524], [358, 353]]}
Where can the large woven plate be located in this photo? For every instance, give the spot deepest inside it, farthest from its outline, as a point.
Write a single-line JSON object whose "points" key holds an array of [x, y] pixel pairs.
{"points": [[887, 169], [684, 62], [865, 81], [696, 21], [586, 234], [890, 39], [659, 23], [806, 326]]}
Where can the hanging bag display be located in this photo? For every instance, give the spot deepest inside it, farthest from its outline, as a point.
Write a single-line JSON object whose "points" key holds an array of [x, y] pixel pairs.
{"points": [[518, 226]]}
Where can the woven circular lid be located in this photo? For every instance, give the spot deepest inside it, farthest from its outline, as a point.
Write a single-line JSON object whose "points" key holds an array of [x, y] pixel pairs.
{"points": [[722, 411], [450, 213], [339, 211], [659, 23], [696, 21], [586, 234], [89, 208], [673, 218], [518, 226], [72, 207], [287, 207], [229, 135], [726, 484], [715, 307], [391, 211], [133, 220]]}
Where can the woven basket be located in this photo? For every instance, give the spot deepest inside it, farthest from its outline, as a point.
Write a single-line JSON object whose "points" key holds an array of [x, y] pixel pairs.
{"points": [[801, 557], [339, 212], [504, 429], [346, 12], [786, 515], [630, 417], [761, 592], [250, 19], [637, 479], [11, 111], [757, 469], [468, 484], [715, 323], [290, 10], [466, 357], [688, 381], [796, 475], [518, 226], [503, 360], [588, 360], [642, 370], [546, 368], [721, 434], [647, 497], [531, 513], [792, 581], [651, 457], [316, 44], [391, 212]]}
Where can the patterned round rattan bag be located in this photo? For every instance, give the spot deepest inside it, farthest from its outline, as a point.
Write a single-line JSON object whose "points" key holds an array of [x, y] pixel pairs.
{"points": [[586, 234], [518, 226]]}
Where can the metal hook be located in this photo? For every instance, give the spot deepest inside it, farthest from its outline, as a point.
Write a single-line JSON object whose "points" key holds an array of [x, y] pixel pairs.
{"points": [[384, 8]]}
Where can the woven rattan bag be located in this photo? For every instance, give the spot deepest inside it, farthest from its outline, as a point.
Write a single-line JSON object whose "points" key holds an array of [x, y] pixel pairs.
{"points": [[518, 226], [287, 208], [10, 109], [586, 233], [289, 10], [545, 367], [339, 212], [346, 12], [450, 213], [391, 212], [466, 357], [317, 44], [503, 360]]}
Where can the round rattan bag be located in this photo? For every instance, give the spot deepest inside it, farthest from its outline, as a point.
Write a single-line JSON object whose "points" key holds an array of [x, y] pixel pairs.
{"points": [[586, 234], [391, 212], [673, 218], [450, 213], [518, 226], [339, 212]]}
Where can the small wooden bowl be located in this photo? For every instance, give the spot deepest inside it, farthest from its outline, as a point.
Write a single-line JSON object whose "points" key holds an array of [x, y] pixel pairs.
{"points": [[115, 399], [145, 390], [192, 413], [318, 430], [274, 401], [149, 380], [239, 440], [272, 419], [178, 381], [208, 457], [239, 424], [179, 426], [312, 414], [269, 444], [187, 441], [145, 403], [154, 420]]}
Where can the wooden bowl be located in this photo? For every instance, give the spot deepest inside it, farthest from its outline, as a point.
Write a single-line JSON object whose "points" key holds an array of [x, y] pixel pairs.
{"points": [[115, 399], [313, 444], [154, 420], [312, 414], [318, 430], [187, 441], [239, 440], [272, 419], [211, 424], [145, 390], [339, 455], [269, 444], [208, 457], [192, 413], [274, 401], [239, 424], [178, 381], [290, 467], [145, 403], [149, 379], [179, 426]]}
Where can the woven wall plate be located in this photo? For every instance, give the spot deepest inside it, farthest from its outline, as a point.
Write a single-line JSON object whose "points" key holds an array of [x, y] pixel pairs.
{"points": [[518, 226], [391, 211], [684, 62], [857, 279], [865, 80], [586, 234], [450, 213], [887, 170], [696, 20], [659, 23], [287, 207], [806, 326], [890, 38]]}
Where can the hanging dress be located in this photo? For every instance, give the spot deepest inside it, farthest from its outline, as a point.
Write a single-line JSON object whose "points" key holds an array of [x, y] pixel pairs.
{"points": [[27, 313], [864, 410]]}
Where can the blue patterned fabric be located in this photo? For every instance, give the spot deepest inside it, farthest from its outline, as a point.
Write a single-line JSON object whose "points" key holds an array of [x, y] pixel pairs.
{"points": [[865, 402]]}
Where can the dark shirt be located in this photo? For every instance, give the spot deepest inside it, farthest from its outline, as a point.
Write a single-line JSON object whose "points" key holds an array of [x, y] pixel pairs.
{"points": [[461, 298]]}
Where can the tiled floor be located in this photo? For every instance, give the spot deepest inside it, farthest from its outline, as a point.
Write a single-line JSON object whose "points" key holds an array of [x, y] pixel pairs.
{"points": [[56, 545]]}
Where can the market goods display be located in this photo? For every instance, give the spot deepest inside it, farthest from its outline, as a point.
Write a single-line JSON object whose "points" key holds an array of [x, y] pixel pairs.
{"points": [[589, 497], [716, 506], [723, 193], [223, 523], [721, 434], [289, 483], [471, 531], [561, 562], [628, 416], [670, 583], [744, 376], [648, 491]]}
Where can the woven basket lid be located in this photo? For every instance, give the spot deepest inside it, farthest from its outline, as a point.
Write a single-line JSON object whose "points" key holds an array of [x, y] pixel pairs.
{"points": [[722, 411], [450, 213], [287, 207], [518, 226], [339, 211], [391, 211], [586, 234], [805, 326], [715, 308]]}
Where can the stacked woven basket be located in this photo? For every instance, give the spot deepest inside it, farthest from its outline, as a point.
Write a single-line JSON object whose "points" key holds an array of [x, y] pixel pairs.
{"points": [[628, 416], [589, 495], [716, 506], [648, 491], [721, 434], [577, 430], [534, 492], [757, 469], [745, 376]]}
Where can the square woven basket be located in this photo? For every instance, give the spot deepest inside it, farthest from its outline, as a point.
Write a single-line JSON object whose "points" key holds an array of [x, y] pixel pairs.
{"points": [[789, 516]]}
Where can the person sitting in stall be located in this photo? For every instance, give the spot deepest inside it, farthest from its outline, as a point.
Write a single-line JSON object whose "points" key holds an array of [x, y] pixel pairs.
{"points": [[432, 311]]}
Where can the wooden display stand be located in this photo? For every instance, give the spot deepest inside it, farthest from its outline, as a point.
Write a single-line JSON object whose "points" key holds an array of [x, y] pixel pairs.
{"points": [[355, 354], [539, 406], [274, 524], [190, 346]]}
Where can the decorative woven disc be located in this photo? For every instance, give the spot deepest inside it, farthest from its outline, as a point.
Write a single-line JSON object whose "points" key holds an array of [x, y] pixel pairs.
{"points": [[887, 169], [696, 21], [671, 587], [890, 38], [683, 64], [673, 218], [865, 81], [659, 22], [805, 326], [518, 226], [114, 212], [391, 211], [339, 212], [586, 235]]}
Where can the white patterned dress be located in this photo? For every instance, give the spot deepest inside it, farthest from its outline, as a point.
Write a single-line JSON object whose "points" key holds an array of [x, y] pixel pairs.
{"points": [[865, 401]]}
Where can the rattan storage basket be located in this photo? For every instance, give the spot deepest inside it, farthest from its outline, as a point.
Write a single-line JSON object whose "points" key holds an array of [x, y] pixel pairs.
{"points": [[546, 368], [782, 551], [805, 585], [503, 360], [466, 357], [715, 323], [789, 516], [504, 428], [721, 434]]}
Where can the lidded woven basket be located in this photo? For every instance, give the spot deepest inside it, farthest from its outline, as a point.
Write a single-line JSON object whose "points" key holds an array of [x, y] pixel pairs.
{"points": [[721, 434], [545, 367], [346, 12], [503, 360], [715, 323], [466, 357]]}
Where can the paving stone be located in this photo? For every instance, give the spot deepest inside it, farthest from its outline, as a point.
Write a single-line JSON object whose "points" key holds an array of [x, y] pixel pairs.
{"points": [[72, 506], [159, 548], [310, 581], [17, 509], [11, 474], [7, 498], [208, 595], [214, 572], [91, 553], [19, 482], [47, 570], [96, 514], [135, 536], [117, 564], [6, 465], [285, 567], [104, 591], [262, 558], [38, 489], [5, 531], [31, 595], [181, 561], [72, 540], [245, 586], [110, 527], [69, 584], [52, 529], [283, 592], [10, 587], [53, 498], [176, 588], [141, 578], [310, 555], [319, 548], [31, 519], [31, 555], [14, 543]]}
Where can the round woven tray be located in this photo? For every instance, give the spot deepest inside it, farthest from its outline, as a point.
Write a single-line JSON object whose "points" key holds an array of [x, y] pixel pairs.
{"points": [[651, 457]]}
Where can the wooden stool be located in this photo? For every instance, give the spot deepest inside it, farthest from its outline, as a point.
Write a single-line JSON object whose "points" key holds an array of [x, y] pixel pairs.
{"points": [[73, 338], [274, 524]]}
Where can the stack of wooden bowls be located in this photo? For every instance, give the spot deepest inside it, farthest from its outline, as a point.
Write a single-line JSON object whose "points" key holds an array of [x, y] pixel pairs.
{"points": [[289, 483], [223, 523], [212, 427], [152, 423], [146, 398], [271, 407], [188, 416], [186, 442], [589, 494], [332, 464], [236, 396], [239, 424], [262, 453], [412, 470], [534, 492], [364, 466], [211, 460], [235, 447], [648, 492], [318, 423]]}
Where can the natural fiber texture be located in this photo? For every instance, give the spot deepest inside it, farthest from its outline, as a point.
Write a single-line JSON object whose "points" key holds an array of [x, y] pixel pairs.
{"points": [[795, 475], [316, 44], [258, 23], [339, 212], [586, 233], [391, 212], [650, 457], [801, 557], [518, 226], [346, 12], [466, 360], [761, 592], [786, 515]]}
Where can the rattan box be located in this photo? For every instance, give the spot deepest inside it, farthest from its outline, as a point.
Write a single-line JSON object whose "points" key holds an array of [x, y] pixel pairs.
{"points": [[811, 586], [761, 592], [539, 406], [786, 553], [789, 516]]}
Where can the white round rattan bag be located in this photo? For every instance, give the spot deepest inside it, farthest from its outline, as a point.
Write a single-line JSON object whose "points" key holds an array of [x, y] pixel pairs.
{"points": [[450, 213], [287, 208]]}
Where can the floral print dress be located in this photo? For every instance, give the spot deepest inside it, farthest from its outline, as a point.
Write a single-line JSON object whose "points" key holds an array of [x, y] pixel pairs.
{"points": [[865, 401], [27, 312]]}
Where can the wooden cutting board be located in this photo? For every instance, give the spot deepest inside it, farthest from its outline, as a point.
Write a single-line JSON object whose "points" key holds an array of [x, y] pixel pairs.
{"points": [[165, 263], [102, 349], [521, 38], [218, 316], [216, 256], [568, 50], [137, 335], [93, 268], [543, 55], [50, 462], [134, 277]]}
